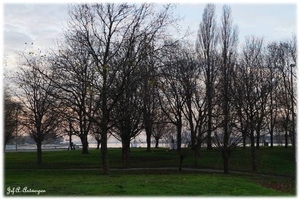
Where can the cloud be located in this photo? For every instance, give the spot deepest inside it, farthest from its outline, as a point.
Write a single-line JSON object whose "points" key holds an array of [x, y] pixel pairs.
{"points": [[37, 22], [43, 23], [14, 40], [271, 21]]}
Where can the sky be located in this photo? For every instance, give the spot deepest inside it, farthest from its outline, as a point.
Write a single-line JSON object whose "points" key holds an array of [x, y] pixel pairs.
{"points": [[42, 24]]}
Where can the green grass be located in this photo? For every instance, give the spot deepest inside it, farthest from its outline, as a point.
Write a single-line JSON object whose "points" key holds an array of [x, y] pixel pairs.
{"points": [[91, 182], [65, 173], [278, 161]]}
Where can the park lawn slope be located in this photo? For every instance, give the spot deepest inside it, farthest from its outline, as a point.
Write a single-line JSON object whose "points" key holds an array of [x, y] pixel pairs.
{"points": [[159, 183], [72, 173], [276, 161]]}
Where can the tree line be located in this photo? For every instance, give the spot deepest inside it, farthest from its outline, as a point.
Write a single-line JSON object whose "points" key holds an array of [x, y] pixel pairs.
{"points": [[118, 71]]}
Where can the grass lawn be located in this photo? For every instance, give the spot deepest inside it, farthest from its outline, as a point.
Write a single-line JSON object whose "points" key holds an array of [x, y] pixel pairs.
{"points": [[65, 173]]}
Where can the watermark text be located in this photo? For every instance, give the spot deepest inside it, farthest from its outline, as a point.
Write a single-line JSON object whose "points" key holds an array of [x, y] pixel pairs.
{"points": [[18, 190]]}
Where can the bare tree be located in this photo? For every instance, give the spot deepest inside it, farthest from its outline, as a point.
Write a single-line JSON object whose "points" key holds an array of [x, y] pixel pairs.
{"points": [[128, 121], [172, 95], [12, 113], [195, 108], [200, 116], [228, 43], [96, 133], [149, 94], [283, 57], [73, 75], [161, 127], [126, 116], [39, 107], [275, 96], [206, 45], [190, 74], [103, 29], [292, 62], [252, 91]]}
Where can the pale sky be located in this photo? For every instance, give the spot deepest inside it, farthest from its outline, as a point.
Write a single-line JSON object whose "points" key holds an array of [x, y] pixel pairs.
{"points": [[42, 24]]}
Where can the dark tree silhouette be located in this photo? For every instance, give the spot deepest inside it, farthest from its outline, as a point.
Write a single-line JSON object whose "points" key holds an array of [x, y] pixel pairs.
{"points": [[105, 30], [12, 113], [39, 107], [226, 140], [206, 45]]}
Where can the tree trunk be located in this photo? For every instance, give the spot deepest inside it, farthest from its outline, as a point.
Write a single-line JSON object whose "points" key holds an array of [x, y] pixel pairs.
{"points": [[105, 116], [148, 135], [272, 123], [209, 124], [209, 107], [104, 150], [180, 161], [156, 142], [225, 156], [193, 133], [85, 144], [244, 135], [147, 115], [104, 153], [70, 141], [271, 136], [179, 127], [193, 138], [125, 152], [253, 152], [98, 144], [39, 152], [257, 138], [70, 137], [286, 138], [244, 130], [258, 129], [197, 152]]}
